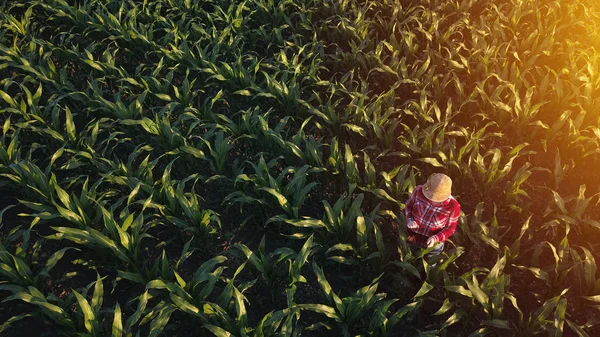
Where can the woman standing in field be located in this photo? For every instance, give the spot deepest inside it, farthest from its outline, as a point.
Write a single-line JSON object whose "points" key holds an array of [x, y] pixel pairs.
{"points": [[431, 214]]}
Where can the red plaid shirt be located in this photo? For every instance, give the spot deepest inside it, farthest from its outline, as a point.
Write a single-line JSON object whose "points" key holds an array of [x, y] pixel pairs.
{"points": [[436, 220]]}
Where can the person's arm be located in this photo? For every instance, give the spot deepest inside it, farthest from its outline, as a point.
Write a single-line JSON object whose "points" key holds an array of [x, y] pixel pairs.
{"points": [[450, 228]]}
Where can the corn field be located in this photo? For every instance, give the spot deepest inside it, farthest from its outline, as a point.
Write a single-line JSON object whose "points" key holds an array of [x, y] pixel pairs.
{"points": [[241, 167]]}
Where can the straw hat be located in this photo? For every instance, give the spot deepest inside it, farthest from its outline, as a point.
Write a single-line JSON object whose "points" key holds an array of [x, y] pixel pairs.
{"points": [[438, 187]]}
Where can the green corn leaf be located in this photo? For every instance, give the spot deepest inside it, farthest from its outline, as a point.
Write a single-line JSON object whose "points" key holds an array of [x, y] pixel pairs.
{"points": [[343, 260], [478, 294], [240, 308], [447, 305], [134, 277], [459, 290], [344, 247], [184, 305], [141, 308], [576, 328], [321, 309], [542, 314], [217, 331], [305, 222], [558, 200], [11, 320], [56, 313], [513, 301], [325, 285], [193, 151], [431, 161], [69, 215], [217, 97], [209, 265], [350, 165], [425, 288], [8, 99], [243, 92], [361, 230], [559, 318], [301, 259], [589, 266], [355, 128], [408, 267], [4, 210], [158, 324], [380, 193], [117, 326], [62, 194], [480, 333], [89, 319], [115, 229], [70, 126], [496, 271], [253, 258], [93, 64], [281, 199], [497, 323], [454, 318], [164, 97], [98, 296]]}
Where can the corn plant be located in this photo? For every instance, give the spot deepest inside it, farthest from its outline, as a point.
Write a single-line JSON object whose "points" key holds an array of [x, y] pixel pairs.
{"points": [[184, 209], [489, 175], [549, 318], [218, 152], [78, 210], [36, 298], [571, 210], [29, 176], [290, 149], [247, 125], [584, 271], [26, 287], [335, 161], [491, 294], [385, 133], [341, 218], [560, 169], [556, 273], [347, 313], [294, 271], [350, 166], [366, 231], [91, 312], [400, 181], [424, 141], [11, 152], [178, 294], [460, 159], [515, 191], [311, 146], [17, 268], [215, 316], [515, 249], [479, 231], [266, 264], [289, 196]]}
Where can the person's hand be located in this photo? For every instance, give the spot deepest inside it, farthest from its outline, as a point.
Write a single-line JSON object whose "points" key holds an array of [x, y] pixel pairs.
{"points": [[411, 224], [430, 242]]}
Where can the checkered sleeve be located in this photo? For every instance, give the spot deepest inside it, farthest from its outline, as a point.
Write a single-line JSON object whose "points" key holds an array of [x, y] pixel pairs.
{"points": [[450, 228]]}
